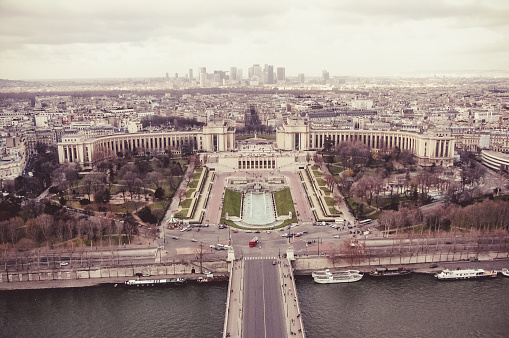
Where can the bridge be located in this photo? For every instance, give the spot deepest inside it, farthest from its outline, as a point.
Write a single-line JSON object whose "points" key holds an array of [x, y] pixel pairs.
{"points": [[262, 299]]}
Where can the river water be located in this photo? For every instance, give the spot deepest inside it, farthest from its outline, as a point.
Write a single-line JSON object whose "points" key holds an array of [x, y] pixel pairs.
{"points": [[417, 306]]}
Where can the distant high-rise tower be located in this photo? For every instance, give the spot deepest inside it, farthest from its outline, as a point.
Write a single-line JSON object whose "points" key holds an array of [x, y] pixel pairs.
{"points": [[202, 70], [301, 78], [190, 75], [176, 75], [281, 74], [269, 71], [239, 74], [203, 79], [167, 76], [257, 71], [233, 73], [325, 77]]}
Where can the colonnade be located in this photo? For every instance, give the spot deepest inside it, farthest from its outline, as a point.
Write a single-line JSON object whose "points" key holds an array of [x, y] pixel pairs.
{"points": [[429, 148], [257, 163], [80, 149]]}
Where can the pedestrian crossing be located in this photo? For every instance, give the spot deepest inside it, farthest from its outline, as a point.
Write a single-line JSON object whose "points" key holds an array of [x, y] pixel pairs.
{"points": [[258, 258]]}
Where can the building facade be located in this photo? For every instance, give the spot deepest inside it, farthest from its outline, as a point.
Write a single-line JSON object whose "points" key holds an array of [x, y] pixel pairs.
{"points": [[429, 149], [214, 137]]}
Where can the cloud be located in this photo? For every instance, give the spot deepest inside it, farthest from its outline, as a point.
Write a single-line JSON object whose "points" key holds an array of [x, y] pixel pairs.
{"points": [[154, 36]]}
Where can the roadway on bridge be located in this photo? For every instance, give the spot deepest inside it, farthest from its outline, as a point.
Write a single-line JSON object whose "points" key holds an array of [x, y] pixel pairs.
{"points": [[263, 306]]}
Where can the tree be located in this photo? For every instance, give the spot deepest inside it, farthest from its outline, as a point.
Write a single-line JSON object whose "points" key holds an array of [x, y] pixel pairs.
{"points": [[328, 144], [130, 227], [186, 149], [146, 215], [159, 193]]}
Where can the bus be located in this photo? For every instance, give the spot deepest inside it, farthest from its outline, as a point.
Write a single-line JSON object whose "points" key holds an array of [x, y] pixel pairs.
{"points": [[366, 221], [253, 242]]}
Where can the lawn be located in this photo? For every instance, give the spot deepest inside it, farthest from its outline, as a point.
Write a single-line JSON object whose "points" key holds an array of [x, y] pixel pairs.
{"points": [[185, 204], [330, 201], [189, 193], [284, 202], [245, 137], [335, 170], [231, 203], [193, 184]]}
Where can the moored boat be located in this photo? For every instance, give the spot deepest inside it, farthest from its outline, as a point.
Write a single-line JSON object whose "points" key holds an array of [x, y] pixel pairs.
{"points": [[465, 274], [505, 272], [212, 279], [347, 276], [156, 282], [385, 272], [322, 273]]}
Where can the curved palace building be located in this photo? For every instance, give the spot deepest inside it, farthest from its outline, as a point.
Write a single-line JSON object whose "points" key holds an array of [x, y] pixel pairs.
{"points": [[429, 149], [85, 150], [293, 135]]}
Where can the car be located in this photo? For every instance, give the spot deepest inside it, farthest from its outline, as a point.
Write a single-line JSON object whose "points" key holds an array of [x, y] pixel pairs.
{"points": [[268, 231], [194, 240], [175, 237], [64, 263], [235, 231], [274, 262], [257, 231], [336, 236], [146, 275], [433, 266]]}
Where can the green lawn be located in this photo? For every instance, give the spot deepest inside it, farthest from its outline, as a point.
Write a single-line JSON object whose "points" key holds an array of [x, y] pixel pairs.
{"points": [[330, 201], [189, 193], [193, 184], [231, 204], [284, 202], [245, 137], [182, 213], [185, 204], [335, 170]]}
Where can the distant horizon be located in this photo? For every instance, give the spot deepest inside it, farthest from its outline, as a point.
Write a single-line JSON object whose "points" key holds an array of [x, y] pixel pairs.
{"points": [[431, 73], [81, 39]]}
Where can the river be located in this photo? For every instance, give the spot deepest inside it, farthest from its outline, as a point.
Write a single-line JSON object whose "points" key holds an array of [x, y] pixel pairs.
{"points": [[417, 306]]}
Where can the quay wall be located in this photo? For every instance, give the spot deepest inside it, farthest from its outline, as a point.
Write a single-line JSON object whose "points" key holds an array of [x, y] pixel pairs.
{"points": [[112, 274]]}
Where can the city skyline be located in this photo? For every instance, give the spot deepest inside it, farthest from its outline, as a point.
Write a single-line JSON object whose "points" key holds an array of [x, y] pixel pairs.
{"points": [[54, 40]]}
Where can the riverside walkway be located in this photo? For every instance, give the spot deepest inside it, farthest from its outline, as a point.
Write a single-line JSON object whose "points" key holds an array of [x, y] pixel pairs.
{"points": [[262, 299]]}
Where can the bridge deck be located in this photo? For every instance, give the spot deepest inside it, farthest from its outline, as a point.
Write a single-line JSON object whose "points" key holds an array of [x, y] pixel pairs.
{"points": [[262, 300]]}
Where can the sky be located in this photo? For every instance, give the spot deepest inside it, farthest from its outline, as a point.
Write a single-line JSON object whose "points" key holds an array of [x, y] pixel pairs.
{"points": [[70, 39]]}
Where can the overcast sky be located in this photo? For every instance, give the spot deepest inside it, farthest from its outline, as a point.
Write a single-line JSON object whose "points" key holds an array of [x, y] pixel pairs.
{"points": [[59, 39]]}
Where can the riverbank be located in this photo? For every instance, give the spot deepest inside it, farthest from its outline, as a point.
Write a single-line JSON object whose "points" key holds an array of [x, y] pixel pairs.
{"points": [[317, 262], [425, 268]]}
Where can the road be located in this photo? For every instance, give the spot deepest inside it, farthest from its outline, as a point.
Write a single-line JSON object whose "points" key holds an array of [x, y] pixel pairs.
{"points": [[263, 306]]}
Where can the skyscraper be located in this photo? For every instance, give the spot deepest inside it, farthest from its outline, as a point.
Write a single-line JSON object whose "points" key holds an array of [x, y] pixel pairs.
{"points": [[190, 75], [257, 71], [325, 77], [281, 74], [203, 79], [269, 71], [301, 78], [233, 74]]}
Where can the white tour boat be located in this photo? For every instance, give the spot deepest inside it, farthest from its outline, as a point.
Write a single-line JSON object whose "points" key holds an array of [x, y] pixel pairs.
{"points": [[505, 272], [338, 277], [465, 274]]}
